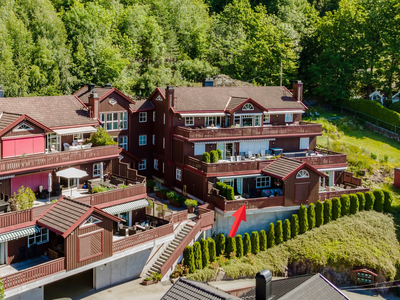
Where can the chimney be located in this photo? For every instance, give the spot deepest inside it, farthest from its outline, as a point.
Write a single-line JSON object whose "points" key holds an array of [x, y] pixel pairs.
{"points": [[108, 85], [94, 105], [169, 94], [298, 91], [91, 86], [208, 82], [1, 92], [263, 285]]}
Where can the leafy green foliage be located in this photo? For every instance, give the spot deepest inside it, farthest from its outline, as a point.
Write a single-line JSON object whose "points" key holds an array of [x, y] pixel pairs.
{"points": [[246, 244], [205, 252], [303, 219], [191, 203], [230, 246], [319, 213], [327, 211], [379, 200], [220, 244], [23, 199], [230, 194], [212, 249], [311, 216], [239, 246], [369, 201], [219, 154], [387, 206], [206, 157], [278, 232], [295, 230], [214, 156], [101, 137], [336, 208], [286, 230], [361, 200], [188, 258], [255, 242], [345, 202], [354, 205], [198, 259], [271, 236], [263, 240]]}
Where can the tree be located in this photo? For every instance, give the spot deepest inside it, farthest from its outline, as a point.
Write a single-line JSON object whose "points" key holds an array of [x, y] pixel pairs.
{"points": [[327, 211], [278, 232], [230, 246], [198, 259], [286, 230], [230, 194], [379, 200], [188, 258], [239, 246], [101, 137], [271, 236], [220, 244], [295, 225], [246, 244], [345, 202], [206, 157], [387, 206], [214, 156], [354, 205], [205, 252], [369, 201], [361, 200], [319, 214], [311, 216], [255, 242], [336, 208], [303, 219], [212, 250], [219, 154], [24, 199], [263, 240]]}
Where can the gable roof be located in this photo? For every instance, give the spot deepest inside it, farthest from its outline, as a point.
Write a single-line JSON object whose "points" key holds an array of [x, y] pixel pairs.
{"points": [[102, 92], [8, 121], [67, 214], [7, 118], [236, 102], [51, 111], [217, 98], [284, 167], [185, 289], [141, 106]]}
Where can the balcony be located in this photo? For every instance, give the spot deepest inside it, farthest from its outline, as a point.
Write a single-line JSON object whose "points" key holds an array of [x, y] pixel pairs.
{"points": [[337, 192], [255, 203], [265, 131], [36, 161], [323, 157]]}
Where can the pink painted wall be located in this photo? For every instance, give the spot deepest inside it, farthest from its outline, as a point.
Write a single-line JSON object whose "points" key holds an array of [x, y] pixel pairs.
{"points": [[32, 181], [19, 146]]}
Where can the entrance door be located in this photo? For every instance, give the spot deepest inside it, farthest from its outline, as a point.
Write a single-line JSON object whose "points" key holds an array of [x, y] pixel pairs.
{"points": [[229, 149], [239, 185]]}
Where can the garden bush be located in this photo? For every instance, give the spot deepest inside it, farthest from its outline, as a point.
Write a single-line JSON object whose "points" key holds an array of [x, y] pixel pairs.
{"points": [[286, 230], [230, 194], [239, 246], [345, 202], [369, 201], [387, 206], [319, 214], [206, 157], [246, 244], [188, 258], [379, 200], [205, 252], [278, 232], [225, 190], [327, 211], [198, 259], [263, 240], [219, 154], [219, 186], [211, 249], [230, 246], [311, 216], [255, 242], [271, 236], [336, 208], [295, 225], [220, 244], [354, 205], [214, 156], [361, 201], [303, 219]]}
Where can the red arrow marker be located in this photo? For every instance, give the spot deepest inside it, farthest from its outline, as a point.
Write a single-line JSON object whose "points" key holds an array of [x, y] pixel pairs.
{"points": [[240, 216]]}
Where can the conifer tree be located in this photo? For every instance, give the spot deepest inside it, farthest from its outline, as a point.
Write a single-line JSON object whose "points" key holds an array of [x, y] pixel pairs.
{"points": [[354, 205], [345, 202], [379, 200], [212, 249], [271, 236], [246, 244], [361, 200], [295, 225], [327, 211], [303, 219], [369, 201], [278, 233], [220, 244], [230, 246], [255, 242], [319, 214], [286, 230], [336, 208], [205, 252], [188, 259], [311, 216], [263, 240], [239, 246], [387, 206], [198, 259]]}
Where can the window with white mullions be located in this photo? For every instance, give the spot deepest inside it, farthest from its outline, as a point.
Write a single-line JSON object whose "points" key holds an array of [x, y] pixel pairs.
{"points": [[288, 117], [263, 182], [155, 164], [142, 117], [303, 174], [142, 140], [178, 174], [123, 142], [142, 165], [39, 238], [96, 170], [189, 121], [248, 106], [123, 123]]}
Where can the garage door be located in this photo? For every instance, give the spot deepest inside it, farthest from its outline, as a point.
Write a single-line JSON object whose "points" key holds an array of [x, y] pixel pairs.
{"points": [[21, 146]]}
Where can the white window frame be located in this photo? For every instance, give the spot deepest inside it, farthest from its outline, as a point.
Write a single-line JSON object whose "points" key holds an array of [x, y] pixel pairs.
{"points": [[288, 117], [123, 120], [199, 149], [303, 142], [118, 120], [142, 140], [237, 118], [189, 121], [142, 165], [155, 164], [96, 169], [142, 117], [123, 142], [78, 136], [22, 127], [263, 182], [154, 116], [248, 106], [159, 98], [267, 119], [178, 174], [43, 232], [90, 221], [302, 174], [257, 119]]}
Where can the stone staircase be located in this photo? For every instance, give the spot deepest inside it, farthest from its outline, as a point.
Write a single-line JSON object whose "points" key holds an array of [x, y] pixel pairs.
{"points": [[156, 267]]}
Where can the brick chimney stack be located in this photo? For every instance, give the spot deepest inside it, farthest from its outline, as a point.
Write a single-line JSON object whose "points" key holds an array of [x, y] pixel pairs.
{"points": [[94, 105], [169, 94], [298, 90]]}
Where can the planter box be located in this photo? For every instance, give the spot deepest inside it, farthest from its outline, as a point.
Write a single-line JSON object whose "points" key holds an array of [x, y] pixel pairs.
{"points": [[176, 204], [160, 195], [149, 282], [191, 210]]}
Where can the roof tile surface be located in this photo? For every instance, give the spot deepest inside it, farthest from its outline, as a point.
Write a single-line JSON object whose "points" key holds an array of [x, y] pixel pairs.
{"points": [[7, 118], [282, 167]]}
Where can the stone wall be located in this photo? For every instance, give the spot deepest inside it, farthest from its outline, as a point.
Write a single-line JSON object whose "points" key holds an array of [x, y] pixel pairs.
{"points": [[387, 133]]}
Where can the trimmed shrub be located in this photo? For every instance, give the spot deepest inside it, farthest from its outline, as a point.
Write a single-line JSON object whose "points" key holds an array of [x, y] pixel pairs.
{"points": [[369, 200], [379, 200], [206, 157], [230, 194], [239, 246], [219, 186], [198, 259], [295, 225], [246, 244], [278, 233], [220, 244], [361, 201], [230, 246], [327, 211], [311, 216], [354, 205], [255, 242], [263, 240], [188, 258], [205, 253], [214, 156], [219, 154], [224, 191], [319, 214], [345, 202], [271, 236], [387, 205], [286, 230], [212, 250], [303, 219], [336, 208]]}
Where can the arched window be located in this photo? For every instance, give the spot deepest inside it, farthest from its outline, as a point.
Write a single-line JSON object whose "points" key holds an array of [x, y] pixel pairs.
{"points": [[302, 174], [248, 106], [22, 127]]}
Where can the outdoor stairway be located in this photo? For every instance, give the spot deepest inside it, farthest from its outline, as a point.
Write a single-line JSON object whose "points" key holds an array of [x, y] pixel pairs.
{"points": [[156, 267]]}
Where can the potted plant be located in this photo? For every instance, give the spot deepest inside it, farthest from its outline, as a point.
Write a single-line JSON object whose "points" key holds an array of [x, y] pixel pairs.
{"points": [[191, 205], [150, 184], [173, 199], [148, 281], [156, 277]]}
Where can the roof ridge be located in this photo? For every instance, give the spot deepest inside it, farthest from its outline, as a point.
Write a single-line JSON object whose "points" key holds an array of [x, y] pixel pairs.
{"points": [[74, 201]]}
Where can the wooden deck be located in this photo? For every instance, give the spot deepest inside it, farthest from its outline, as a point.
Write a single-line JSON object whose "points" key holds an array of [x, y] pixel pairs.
{"points": [[255, 203]]}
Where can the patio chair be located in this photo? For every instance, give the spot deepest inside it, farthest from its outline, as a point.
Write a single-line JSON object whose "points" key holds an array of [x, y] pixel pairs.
{"points": [[132, 230], [123, 230], [66, 146], [22, 253]]}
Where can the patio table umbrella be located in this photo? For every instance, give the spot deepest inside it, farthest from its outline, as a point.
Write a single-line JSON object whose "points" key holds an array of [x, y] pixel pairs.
{"points": [[71, 173], [50, 184]]}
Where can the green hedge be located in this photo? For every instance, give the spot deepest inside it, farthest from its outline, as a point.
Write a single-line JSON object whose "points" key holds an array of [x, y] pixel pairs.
{"points": [[188, 258], [387, 206], [369, 201], [286, 230], [278, 233], [214, 156], [319, 214], [361, 201], [263, 240], [220, 244], [379, 200], [205, 252], [303, 219], [246, 244], [354, 204], [255, 242], [239, 245], [345, 202], [230, 246], [311, 216], [206, 157]]}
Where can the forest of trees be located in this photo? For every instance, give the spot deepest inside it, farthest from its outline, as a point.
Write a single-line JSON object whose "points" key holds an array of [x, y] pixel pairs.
{"points": [[339, 48]]}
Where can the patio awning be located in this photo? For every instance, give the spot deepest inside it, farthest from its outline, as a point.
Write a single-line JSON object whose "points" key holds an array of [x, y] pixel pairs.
{"points": [[13, 235], [69, 131], [120, 208], [239, 176], [71, 173]]}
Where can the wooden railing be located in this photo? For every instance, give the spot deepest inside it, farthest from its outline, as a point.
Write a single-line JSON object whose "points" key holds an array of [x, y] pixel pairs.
{"points": [[33, 273], [117, 194], [206, 215], [143, 237], [324, 160], [256, 203], [205, 133], [179, 216], [16, 217], [8, 165], [329, 195]]}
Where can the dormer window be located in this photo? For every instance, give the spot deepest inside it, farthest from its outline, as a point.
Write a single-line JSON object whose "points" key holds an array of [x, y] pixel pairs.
{"points": [[23, 127], [248, 106], [303, 174]]}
